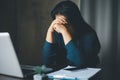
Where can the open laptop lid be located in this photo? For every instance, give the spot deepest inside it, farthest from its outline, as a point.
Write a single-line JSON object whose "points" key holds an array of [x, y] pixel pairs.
{"points": [[9, 64]]}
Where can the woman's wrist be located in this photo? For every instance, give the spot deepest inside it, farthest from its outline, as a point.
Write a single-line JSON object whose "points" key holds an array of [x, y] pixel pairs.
{"points": [[64, 31], [49, 37], [50, 30], [66, 36]]}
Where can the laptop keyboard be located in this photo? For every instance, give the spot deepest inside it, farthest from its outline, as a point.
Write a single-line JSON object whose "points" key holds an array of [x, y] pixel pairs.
{"points": [[28, 67], [28, 70]]}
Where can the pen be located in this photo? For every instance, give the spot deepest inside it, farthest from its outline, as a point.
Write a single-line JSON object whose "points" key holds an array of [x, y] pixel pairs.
{"points": [[61, 77]]}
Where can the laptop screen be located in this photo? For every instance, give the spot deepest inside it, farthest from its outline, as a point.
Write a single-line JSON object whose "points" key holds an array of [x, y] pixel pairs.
{"points": [[9, 64]]}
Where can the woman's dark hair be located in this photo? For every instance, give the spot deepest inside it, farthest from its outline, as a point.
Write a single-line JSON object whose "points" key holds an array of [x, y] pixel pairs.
{"points": [[71, 12]]}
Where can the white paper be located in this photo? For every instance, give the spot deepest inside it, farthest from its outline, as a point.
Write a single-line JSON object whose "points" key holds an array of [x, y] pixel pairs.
{"points": [[81, 74]]}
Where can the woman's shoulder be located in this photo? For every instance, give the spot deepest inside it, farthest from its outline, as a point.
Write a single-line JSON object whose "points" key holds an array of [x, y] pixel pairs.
{"points": [[89, 30]]}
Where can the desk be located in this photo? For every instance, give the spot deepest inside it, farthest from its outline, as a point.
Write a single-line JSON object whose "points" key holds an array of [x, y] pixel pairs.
{"points": [[4, 77]]}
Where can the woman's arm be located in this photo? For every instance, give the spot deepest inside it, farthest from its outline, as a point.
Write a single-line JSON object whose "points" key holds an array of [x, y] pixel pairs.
{"points": [[49, 36], [50, 48], [74, 55], [65, 33], [48, 54], [48, 51]]}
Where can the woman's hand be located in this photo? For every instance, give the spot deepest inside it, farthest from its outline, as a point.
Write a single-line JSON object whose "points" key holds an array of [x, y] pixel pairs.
{"points": [[60, 24], [49, 36], [52, 28], [61, 27]]}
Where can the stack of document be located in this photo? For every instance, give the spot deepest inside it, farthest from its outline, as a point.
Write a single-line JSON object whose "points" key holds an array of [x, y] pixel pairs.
{"points": [[65, 74]]}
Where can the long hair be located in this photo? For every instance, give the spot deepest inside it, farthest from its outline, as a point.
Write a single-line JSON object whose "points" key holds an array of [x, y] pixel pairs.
{"points": [[71, 12]]}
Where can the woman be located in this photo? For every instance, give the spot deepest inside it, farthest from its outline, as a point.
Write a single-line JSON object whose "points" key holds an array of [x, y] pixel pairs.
{"points": [[69, 40]]}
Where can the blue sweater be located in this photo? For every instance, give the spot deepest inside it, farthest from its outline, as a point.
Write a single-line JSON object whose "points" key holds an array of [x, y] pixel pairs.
{"points": [[81, 51]]}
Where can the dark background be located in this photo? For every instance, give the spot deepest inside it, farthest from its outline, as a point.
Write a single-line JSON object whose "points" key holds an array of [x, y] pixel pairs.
{"points": [[27, 22]]}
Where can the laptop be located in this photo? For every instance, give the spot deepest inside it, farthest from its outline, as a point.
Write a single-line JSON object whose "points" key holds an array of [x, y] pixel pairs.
{"points": [[9, 63]]}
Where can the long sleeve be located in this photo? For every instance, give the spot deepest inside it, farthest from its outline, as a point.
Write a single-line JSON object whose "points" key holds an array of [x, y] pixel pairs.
{"points": [[80, 51], [74, 55], [48, 52], [84, 51], [53, 55]]}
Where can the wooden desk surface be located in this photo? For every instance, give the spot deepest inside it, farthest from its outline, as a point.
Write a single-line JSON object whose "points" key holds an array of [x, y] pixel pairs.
{"points": [[4, 77]]}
